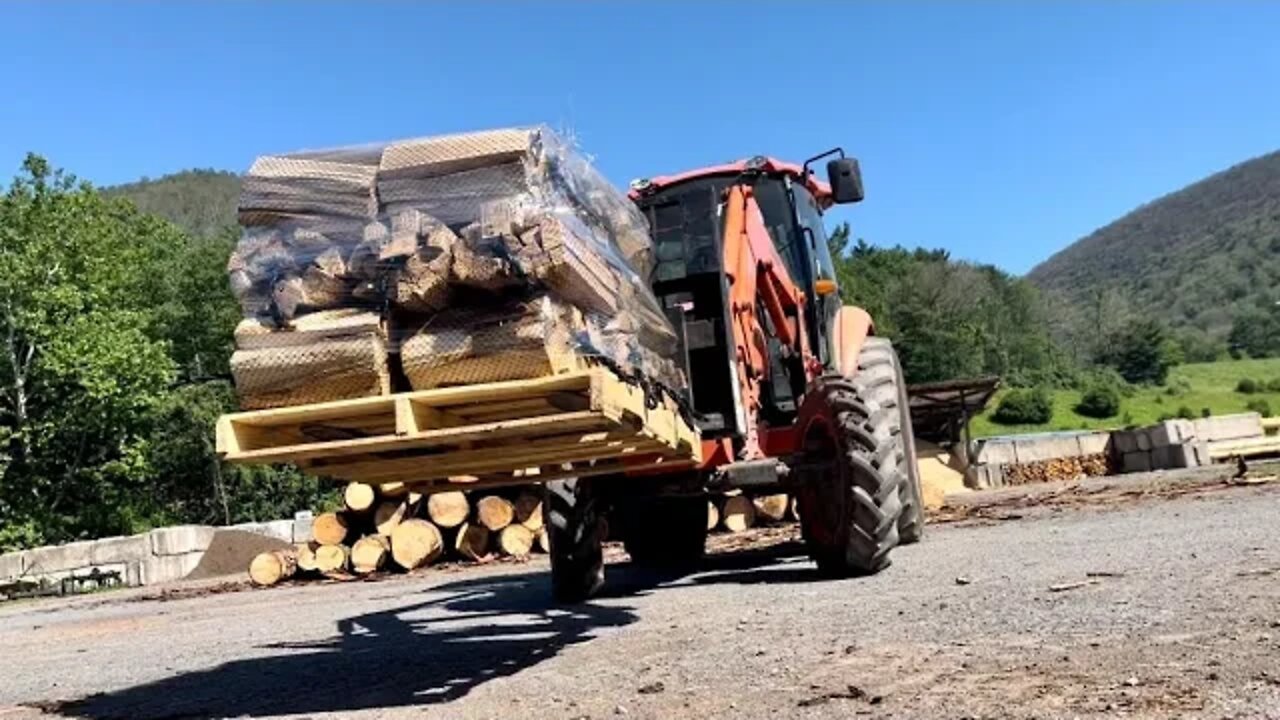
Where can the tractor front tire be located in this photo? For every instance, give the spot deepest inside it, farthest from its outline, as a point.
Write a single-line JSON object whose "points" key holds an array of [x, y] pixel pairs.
{"points": [[573, 520], [847, 472], [880, 371], [668, 532]]}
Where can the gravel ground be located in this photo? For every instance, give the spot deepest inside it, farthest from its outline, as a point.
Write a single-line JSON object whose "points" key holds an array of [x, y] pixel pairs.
{"points": [[1134, 604]]}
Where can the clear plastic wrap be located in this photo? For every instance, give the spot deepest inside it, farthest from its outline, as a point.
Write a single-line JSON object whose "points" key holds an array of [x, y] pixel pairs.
{"points": [[427, 232]]}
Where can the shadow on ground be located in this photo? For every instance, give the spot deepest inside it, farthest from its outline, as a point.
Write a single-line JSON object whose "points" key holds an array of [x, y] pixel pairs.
{"points": [[421, 653]]}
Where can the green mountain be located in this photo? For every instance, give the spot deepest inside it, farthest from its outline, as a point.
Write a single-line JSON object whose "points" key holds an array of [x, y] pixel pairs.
{"points": [[1196, 258], [199, 201]]}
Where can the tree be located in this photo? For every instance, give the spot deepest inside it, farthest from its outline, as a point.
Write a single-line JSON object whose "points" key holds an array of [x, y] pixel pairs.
{"points": [[1256, 332], [1142, 352], [83, 362]]}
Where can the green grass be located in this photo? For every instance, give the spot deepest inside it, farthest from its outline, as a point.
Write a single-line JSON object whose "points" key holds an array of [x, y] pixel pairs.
{"points": [[1213, 386]]}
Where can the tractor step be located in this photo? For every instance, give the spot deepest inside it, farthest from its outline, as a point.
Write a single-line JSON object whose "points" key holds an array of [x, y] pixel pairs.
{"points": [[586, 422]]}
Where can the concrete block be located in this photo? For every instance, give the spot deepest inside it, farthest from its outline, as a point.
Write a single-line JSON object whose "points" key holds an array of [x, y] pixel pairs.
{"points": [[1094, 443], [996, 452], [168, 568], [278, 529], [58, 558], [984, 477], [131, 548], [302, 526], [1139, 461], [180, 539], [1162, 458], [1171, 432], [1124, 441], [1185, 455], [12, 565], [1229, 427], [1143, 438], [1046, 448]]}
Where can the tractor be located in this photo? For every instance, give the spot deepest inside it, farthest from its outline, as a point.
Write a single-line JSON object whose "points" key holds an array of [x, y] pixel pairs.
{"points": [[790, 389]]}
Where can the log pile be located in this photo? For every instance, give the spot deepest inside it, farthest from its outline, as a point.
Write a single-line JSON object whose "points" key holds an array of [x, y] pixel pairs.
{"points": [[385, 529], [438, 261], [1067, 468]]}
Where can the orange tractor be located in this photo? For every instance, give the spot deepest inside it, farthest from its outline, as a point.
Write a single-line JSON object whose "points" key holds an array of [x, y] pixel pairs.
{"points": [[789, 389]]}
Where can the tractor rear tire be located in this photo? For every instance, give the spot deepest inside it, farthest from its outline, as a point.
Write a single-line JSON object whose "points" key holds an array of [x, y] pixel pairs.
{"points": [[881, 371], [847, 477], [668, 532], [573, 520]]}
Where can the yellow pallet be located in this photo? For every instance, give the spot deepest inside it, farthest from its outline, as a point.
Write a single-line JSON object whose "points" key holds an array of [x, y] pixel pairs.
{"points": [[586, 422]]}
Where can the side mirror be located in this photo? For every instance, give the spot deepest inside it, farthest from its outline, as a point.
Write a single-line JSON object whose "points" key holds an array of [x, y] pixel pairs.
{"points": [[845, 178]]}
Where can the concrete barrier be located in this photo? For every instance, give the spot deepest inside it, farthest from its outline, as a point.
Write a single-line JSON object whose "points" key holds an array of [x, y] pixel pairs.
{"points": [[162, 555], [1229, 427]]}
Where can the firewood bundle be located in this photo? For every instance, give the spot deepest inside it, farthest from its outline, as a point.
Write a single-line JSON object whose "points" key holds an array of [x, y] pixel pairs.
{"points": [[390, 528], [469, 258], [1067, 468]]}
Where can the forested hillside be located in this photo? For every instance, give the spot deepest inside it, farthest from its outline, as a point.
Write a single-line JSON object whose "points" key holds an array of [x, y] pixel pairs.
{"points": [[201, 202], [1204, 259]]}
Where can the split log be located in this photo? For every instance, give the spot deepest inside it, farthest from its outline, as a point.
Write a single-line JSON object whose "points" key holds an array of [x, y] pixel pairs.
{"points": [[306, 554], [544, 541], [369, 553], [269, 568], [516, 540], [416, 542], [332, 558], [528, 508], [448, 509], [359, 496], [494, 512], [329, 528], [472, 541], [738, 513], [713, 515], [770, 508]]}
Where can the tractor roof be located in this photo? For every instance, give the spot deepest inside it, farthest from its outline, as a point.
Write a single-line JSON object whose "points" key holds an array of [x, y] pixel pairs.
{"points": [[770, 166]]}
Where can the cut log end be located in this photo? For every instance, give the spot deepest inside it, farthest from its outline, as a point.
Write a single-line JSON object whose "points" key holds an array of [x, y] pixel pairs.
{"points": [[369, 554], [329, 528], [516, 540], [331, 558], [269, 568], [448, 509], [306, 554], [494, 512], [528, 509], [472, 541], [389, 514], [359, 496], [738, 514], [713, 515], [415, 542], [771, 508]]}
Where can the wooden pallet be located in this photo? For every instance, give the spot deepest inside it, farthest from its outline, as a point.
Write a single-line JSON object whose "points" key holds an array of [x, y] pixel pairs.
{"points": [[586, 422]]}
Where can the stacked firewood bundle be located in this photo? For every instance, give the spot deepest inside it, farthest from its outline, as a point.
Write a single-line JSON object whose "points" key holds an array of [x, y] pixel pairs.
{"points": [[492, 255], [1066, 468], [390, 528]]}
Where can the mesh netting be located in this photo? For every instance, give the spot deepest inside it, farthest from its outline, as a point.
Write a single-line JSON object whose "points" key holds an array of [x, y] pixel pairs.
{"points": [[437, 261]]}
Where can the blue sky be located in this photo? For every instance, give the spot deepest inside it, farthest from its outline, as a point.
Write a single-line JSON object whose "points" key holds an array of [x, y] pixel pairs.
{"points": [[1001, 131]]}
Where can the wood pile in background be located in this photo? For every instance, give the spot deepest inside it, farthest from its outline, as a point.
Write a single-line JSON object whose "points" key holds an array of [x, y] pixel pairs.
{"points": [[1067, 468]]}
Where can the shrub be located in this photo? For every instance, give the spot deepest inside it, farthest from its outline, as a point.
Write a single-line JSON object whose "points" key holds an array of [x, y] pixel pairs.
{"points": [[1260, 406], [1099, 402], [1024, 406], [1186, 413], [1273, 385], [1178, 386], [1204, 413], [1248, 386]]}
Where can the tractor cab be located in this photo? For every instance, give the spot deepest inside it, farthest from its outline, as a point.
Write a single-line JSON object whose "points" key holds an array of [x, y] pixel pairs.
{"points": [[686, 214]]}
